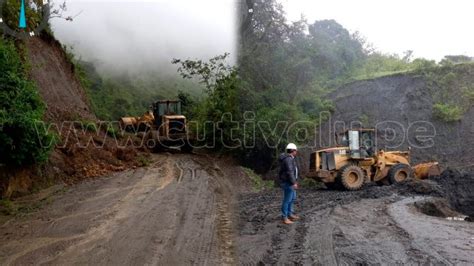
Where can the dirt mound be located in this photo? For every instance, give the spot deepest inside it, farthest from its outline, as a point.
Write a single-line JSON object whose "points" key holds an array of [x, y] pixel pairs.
{"points": [[435, 207], [55, 77], [80, 155], [458, 188]]}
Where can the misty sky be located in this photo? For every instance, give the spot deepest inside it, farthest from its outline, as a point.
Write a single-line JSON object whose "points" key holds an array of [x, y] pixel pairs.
{"points": [[134, 35], [149, 33], [431, 28]]}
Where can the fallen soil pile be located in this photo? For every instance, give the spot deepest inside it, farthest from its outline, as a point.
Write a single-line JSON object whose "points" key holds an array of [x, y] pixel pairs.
{"points": [[458, 188]]}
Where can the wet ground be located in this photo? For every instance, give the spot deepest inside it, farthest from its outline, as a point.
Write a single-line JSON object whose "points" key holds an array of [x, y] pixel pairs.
{"points": [[176, 211], [379, 225], [198, 209]]}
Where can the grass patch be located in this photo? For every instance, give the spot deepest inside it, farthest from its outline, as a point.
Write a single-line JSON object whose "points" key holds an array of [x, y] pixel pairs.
{"points": [[447, 112], [143, 160], [35, 202], [380, 74], [310, 183], [7, 207], [258, 183], [112, 131]]}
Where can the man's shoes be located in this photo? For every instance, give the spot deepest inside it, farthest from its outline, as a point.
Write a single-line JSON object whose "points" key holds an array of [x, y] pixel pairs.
{"points": [[287, 221], [294, 217]]}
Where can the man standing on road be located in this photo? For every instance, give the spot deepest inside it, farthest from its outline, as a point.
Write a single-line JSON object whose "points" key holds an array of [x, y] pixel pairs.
{"points": [[288, 176]]}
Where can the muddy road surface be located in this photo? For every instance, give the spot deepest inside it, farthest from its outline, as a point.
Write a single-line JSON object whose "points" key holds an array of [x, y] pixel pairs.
{"points": [[201, 210], [376, 226], [176, 211]]}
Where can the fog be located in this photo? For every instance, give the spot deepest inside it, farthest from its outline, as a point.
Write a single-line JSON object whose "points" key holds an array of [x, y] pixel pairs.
{"points": [[431, 28], [144, 36]]}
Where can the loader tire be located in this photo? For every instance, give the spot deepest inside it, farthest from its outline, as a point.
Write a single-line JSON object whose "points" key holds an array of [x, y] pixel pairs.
{"points": [[351, 177], [399, 173], [153, 145]]}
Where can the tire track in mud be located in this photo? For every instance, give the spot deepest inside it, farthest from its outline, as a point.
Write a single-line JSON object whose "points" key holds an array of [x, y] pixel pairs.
{"points": [[337, 228], [224, 204], [123, 209], [321, 247]]}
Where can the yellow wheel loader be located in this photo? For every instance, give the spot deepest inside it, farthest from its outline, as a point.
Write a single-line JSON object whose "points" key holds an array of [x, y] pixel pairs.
{"points": [[169, 127], [138, 124], [356, 160], [163, 126]]}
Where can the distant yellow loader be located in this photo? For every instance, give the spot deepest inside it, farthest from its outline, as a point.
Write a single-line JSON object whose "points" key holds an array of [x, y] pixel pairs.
{"points": [[164, 126]]}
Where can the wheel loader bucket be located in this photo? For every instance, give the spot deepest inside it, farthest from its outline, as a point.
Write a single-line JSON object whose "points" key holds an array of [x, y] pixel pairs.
{"points": [[425, 170], [128, 122]]}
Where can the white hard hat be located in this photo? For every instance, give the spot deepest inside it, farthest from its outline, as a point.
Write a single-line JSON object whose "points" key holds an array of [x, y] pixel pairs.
{"points": [[291, 146]]}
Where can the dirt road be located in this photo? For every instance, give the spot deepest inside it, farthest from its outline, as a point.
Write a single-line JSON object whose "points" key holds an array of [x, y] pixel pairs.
{"points": [[176, 211], [198, 209]]}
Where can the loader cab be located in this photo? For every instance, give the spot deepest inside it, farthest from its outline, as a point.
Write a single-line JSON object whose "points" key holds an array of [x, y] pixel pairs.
{"points": [[169, 121], [361, 142], [161, 108]]}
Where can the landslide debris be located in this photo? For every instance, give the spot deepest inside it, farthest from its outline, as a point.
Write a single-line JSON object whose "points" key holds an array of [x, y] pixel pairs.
{"points": [[458, 188]]}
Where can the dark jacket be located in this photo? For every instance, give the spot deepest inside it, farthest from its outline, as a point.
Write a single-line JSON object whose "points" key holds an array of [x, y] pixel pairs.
{"points": [[288, 168]]}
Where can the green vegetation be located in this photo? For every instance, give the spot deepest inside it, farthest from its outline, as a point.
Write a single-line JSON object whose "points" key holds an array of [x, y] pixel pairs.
{"points": [[115, 95], [310, 183], [21, 109], [112, 131], [143, 160], [7, 207], [10, 14], [17, 208], [451, 88], [258, 183], [447, 113], [221, 87]]}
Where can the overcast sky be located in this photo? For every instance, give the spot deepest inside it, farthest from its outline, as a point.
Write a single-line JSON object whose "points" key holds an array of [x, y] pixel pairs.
{"points": [[147, 34], [431, 28], [136, 34]]}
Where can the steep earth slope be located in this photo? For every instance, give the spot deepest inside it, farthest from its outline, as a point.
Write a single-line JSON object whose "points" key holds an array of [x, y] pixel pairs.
{"points": [[81, 151], [54, 75]]}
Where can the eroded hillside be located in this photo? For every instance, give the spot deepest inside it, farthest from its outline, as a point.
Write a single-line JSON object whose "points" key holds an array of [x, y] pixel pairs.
{"points": [[402, 108]]}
